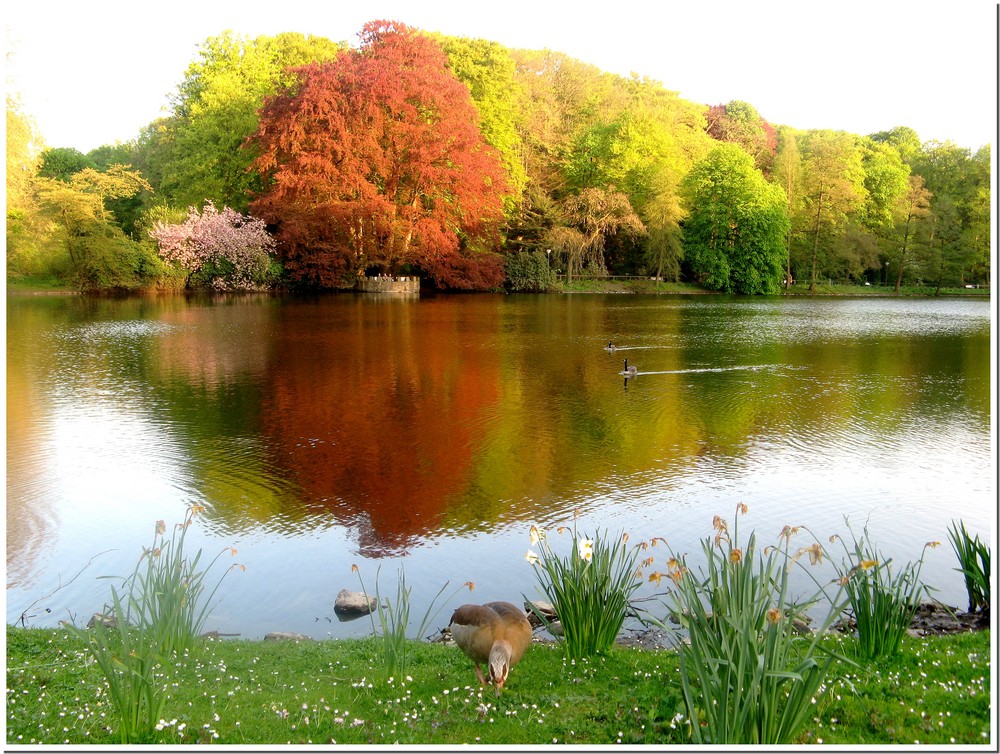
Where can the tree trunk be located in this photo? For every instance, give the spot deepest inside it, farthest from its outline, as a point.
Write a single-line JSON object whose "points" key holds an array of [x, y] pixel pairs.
{"points": [[902, 255], [819, 212]]}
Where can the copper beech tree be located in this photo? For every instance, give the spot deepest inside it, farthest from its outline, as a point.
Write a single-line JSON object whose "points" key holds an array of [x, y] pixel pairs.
{"points": [[373, 161]]}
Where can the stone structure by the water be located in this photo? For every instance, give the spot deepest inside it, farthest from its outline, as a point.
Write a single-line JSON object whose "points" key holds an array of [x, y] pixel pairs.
{"points": [[390, 284]]}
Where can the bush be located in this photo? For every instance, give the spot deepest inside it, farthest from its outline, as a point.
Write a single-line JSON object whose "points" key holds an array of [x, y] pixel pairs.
{"points": [[528, 272]]}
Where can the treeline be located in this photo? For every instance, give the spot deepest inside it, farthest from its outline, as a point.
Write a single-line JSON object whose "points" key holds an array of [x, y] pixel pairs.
{"points": [[478, 166]]}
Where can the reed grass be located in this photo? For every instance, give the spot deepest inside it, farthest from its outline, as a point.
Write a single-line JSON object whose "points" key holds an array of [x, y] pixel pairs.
{"points": [[746, 674], [155, 615], [882, 599], [393, 616], [974, 561], [590, 588]]}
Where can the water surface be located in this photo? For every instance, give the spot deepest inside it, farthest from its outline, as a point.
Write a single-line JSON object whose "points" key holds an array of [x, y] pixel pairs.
{"points": [[431, 433]]}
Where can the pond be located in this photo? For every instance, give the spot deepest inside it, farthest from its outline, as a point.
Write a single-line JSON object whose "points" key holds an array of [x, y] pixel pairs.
{"points": [[429, 433]]}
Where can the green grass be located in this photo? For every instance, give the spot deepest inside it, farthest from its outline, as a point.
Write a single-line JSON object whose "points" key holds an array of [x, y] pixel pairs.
{"points": [[935, 691]]}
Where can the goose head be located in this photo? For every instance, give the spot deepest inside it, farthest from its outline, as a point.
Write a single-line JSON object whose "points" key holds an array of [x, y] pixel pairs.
{"points": [[500, 663]]}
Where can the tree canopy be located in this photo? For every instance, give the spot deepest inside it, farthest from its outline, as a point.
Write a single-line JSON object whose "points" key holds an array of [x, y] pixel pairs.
{"points": [[445, 156], [735, 231], [375, 160]]}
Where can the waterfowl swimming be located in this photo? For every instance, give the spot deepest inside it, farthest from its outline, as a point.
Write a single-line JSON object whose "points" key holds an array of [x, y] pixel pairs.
{"points": [[496, 634], [610, 346], [629, 371]]}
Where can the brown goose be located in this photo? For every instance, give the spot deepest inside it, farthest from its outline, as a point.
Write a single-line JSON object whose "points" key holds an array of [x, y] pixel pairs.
{"points": [[496, 634]]}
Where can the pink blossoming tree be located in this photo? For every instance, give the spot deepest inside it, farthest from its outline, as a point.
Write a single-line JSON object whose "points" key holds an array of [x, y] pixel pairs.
{"points": [[224, 250]]}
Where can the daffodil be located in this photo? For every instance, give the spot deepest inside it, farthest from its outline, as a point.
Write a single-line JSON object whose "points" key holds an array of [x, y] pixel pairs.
{"points": [[536, 535], [531, 557], [586, 549]]}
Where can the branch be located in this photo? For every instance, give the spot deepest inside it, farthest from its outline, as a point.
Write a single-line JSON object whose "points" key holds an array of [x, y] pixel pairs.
{"points": [[24, 614]]}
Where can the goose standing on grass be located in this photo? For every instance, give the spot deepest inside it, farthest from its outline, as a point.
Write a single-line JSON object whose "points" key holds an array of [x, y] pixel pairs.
{"points": [[629, 371], [496, 634]]}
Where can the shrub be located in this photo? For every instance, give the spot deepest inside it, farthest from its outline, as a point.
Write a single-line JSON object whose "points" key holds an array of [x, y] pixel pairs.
{"points": [[528, 272]]}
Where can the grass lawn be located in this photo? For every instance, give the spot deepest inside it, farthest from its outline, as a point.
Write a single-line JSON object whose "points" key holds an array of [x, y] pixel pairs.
{"points": [[937, 691]]}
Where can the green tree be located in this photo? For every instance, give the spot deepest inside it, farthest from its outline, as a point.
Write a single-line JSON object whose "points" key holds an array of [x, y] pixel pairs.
{"points": [[914, 206], [960, 185], [787, 173], [832, 191], [487, 69], [904, 139], [735, 231], [738, 122], [202, 146], [102, 257], [63, 162]]}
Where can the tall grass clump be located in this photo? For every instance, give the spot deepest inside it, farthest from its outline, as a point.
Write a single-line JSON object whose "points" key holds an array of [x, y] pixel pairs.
{"points": [[590, 588], [974, 561], [394, 620], [156, 614], [882, 599], [747, 674]]}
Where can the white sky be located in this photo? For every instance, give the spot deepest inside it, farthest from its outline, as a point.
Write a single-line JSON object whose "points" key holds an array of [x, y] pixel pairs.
{"points": [[93, 73]]}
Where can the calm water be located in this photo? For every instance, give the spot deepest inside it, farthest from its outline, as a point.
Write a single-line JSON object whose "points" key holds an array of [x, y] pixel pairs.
{"points": [[431, 433]]}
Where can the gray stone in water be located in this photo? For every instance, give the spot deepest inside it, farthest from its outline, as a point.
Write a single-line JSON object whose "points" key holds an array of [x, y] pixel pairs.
{"points": [[286, 636], [108, 621], [350, 605], [545, 608]]}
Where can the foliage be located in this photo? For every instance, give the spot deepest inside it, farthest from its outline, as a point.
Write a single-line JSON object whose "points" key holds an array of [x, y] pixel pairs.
{"points": [[63, 162], [200, 150], [155, 617], [394, 621], [832, 191], [974, 561], [225, 250], [591, 217], [526, 271], [101, 256], [375, 160], [882, 603], [23, 237], [735, 232], [746, 675], [739, 123], [487, 68], [590, 587]]}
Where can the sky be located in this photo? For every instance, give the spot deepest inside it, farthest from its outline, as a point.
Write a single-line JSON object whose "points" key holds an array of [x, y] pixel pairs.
{"points": [[94, 73]]}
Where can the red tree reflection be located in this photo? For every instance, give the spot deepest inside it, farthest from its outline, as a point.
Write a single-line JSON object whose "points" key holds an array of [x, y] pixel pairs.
{"points": [[377, 416]]}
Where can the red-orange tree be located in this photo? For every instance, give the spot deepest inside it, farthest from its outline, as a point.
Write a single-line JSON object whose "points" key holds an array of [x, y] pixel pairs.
{"points": [[375, 160]]}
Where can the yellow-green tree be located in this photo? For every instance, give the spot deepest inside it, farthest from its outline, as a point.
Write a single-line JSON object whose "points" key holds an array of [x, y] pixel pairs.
{"points": [[200, 151], [832, 191], [101, 256], [23, 231]]}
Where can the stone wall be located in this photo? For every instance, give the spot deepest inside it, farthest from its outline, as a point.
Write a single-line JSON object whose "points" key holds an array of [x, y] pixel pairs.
{"points": [[389, 284]]}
